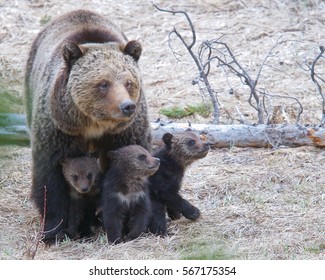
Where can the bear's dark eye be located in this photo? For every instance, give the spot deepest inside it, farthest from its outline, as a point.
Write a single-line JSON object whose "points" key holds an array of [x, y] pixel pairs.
{"points": [[75, 178], [89, 176], [191, 142], [128, 84], [103, 86], [142, 157]]}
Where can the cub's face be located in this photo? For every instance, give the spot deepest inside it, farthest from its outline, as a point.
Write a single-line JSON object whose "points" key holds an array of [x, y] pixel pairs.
{"points": [[186, 146], [104, 83], [135, 160], [80, 173]]}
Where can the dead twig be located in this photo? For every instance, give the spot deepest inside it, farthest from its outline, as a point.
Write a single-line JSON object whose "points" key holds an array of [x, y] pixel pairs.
{"points": [[315, 77], [218, 50], [203, 76], [271, 96], [31, 252]]}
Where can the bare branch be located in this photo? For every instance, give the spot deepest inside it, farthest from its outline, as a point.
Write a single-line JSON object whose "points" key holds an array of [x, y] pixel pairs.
{"points": [[227, 59], [315, 81], [300, 111], [203, 76], [188, 19]]}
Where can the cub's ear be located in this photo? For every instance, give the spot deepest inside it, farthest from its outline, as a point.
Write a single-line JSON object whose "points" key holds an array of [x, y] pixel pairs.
{"points": [[71, 52], [134, 49], [167, 138], [63, 161]]}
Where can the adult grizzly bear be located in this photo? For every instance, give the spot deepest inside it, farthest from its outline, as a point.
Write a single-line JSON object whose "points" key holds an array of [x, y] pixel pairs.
{"points": [[83, 94]]}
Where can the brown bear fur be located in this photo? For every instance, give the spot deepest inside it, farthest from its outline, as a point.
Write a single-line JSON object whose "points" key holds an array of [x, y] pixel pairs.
{"points": [[82, 174], [83, 89], [126, 206], [177, 153]]}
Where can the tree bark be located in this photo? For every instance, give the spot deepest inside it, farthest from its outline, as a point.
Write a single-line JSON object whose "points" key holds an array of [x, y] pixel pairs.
{"points": [[256, 136]]}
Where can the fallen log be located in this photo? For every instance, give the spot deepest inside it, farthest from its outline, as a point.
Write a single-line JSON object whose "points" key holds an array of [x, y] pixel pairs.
{"points": [[256, 136], [13, 131]]}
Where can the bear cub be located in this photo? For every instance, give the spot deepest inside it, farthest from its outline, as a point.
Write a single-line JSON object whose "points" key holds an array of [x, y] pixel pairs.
{"points": [[178, 152], [82, 175], [126, 205]]}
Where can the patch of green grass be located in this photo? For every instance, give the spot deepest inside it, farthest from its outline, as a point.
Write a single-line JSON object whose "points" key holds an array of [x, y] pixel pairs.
{"points": [[182, 112], [316, 249], [45, 19], [204, 250], [10, 102]]}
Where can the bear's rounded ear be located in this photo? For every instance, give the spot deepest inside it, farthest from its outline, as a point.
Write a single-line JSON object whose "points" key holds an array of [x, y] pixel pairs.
{"points": [[63, 161], [134, 49], [71, 52], [167, 138]]}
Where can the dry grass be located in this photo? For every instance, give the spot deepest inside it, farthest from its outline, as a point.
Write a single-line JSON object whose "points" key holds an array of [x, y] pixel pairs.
{"points": [[256, 204]]}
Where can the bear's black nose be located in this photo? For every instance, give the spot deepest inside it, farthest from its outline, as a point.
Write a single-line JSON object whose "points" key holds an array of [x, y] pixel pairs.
{"points": [[128, 108], [84, 189]]}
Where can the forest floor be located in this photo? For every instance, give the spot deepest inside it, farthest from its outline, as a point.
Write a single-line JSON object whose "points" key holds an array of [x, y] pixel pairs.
{"points": [[255, 203]]}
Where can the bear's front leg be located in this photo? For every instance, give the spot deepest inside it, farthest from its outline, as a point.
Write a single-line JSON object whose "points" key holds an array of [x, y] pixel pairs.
{"points": [[179, 204], [189, 211], [51, 196], [173, 214], [157, 222], [113, 228], [139, 219], [113, 221]]}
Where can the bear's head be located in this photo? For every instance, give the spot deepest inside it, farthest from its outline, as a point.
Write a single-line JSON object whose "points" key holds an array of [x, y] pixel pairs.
{"points": [[104, 83], [80, 173], [136, 161], [185, 147]]}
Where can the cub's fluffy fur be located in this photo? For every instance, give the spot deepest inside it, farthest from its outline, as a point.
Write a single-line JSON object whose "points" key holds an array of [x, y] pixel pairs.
{"points": [[83, 94], [126, 206], [178, 152], [82, 174]]}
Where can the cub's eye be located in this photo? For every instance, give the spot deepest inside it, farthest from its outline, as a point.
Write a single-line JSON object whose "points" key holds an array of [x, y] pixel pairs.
{"points": [[191, 142], [89, 176], [75, 178], [128, 84], [103, 86], [142, 157]]}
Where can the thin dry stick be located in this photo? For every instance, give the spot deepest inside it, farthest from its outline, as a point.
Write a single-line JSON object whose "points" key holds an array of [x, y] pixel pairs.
{"points": [[189, 48], [31, 253], [314, 78], [217, 50], [301, 108], [234, 66]]}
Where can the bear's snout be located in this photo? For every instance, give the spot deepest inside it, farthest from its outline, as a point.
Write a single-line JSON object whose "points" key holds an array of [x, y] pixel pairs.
{"points": [[84, 188], [128, 108]]}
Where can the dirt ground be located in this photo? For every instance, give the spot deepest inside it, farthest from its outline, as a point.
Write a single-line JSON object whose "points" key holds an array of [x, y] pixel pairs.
{"points": [[255, 203]]}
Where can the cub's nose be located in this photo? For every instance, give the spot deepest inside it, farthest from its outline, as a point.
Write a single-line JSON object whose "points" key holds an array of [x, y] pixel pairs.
{"points": [[84, 189], [128, 108]]}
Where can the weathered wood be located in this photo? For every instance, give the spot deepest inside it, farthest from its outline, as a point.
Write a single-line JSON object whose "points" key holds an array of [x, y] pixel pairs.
{"points": [[14, 132], [258, 136]]}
